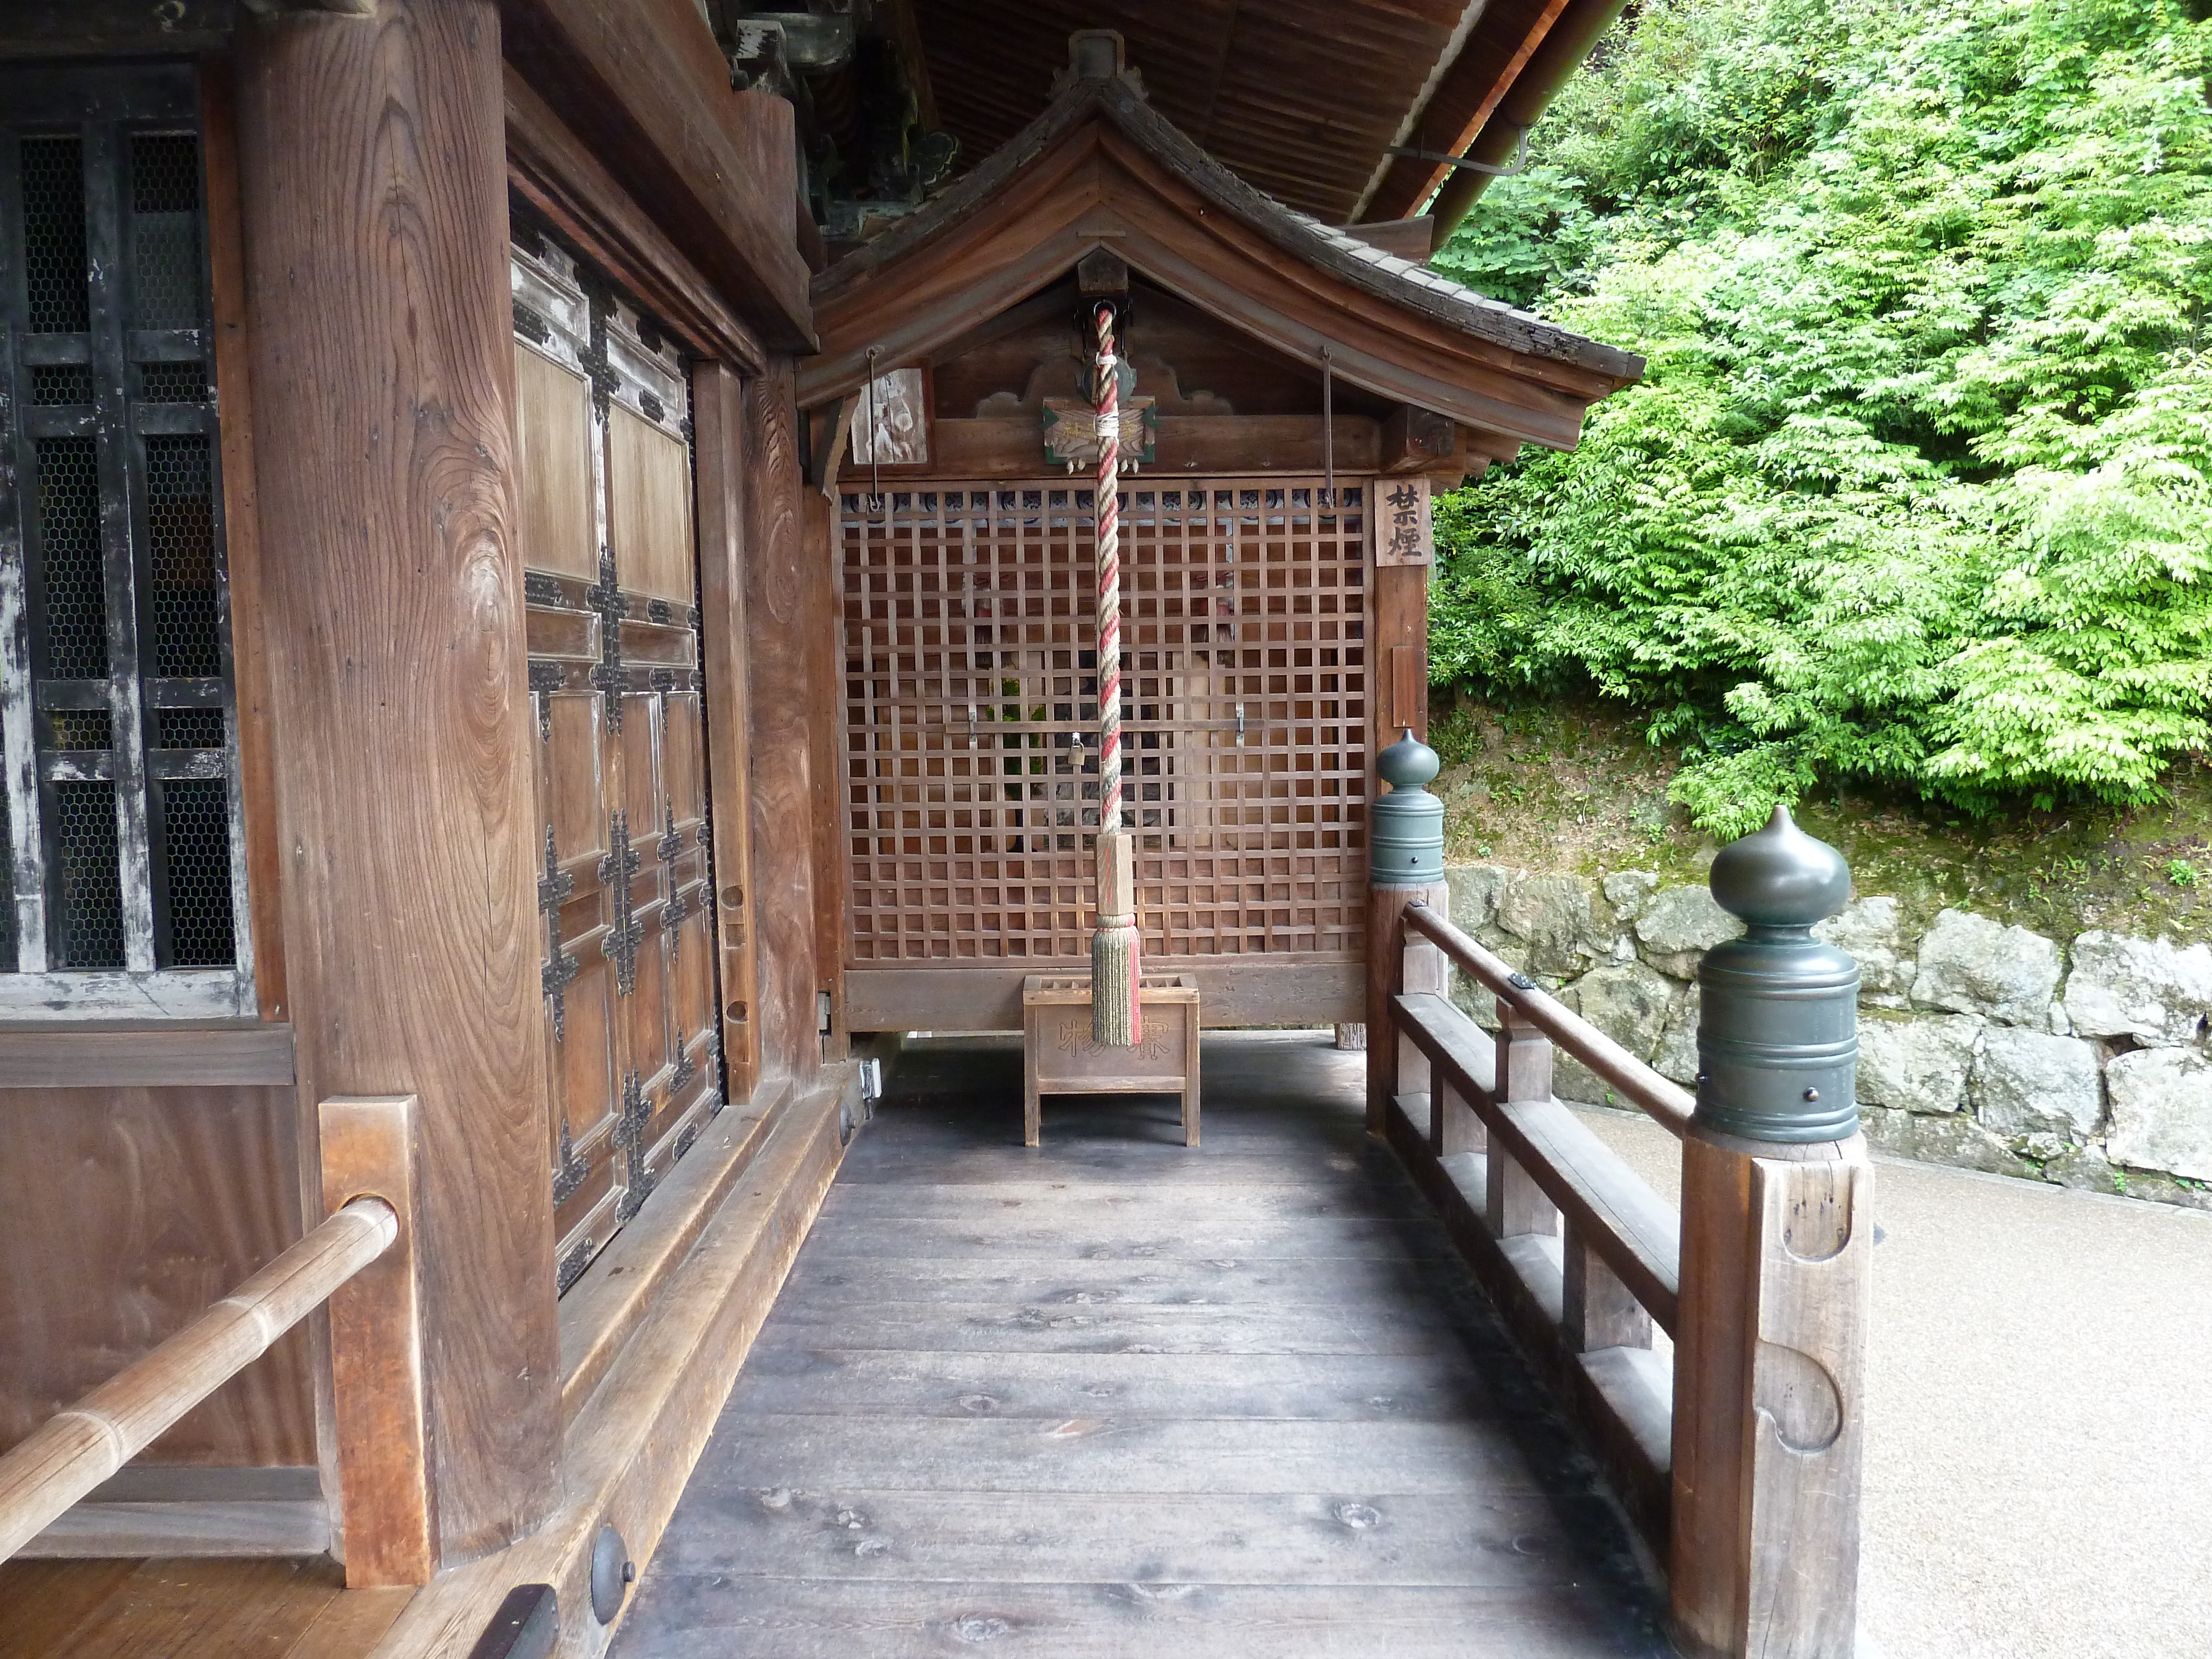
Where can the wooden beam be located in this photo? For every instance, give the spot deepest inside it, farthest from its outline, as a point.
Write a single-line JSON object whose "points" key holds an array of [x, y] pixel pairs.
{"points": [[1503, 42], [648, 91], [1411, 239], [374, 190], [560, 178], [145, 1056], [1418, 440], [241, 526], [1234, 992]]}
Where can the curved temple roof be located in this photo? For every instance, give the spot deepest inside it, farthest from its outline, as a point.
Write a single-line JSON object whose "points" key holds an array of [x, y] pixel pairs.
{"points": [[1101, 168]]}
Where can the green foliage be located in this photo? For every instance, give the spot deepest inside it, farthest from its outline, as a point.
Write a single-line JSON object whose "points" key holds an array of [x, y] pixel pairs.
{"points": [[1917, 486]]}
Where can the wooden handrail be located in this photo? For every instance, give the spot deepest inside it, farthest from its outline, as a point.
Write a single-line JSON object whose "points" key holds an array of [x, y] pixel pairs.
{"points": [[68, 1456], [1665, 1103], [1609, 1204]]}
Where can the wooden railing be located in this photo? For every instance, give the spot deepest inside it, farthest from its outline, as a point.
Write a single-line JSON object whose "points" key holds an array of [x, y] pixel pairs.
{"points": [[1739, 1460], [69, 1455], [359, 1260]]}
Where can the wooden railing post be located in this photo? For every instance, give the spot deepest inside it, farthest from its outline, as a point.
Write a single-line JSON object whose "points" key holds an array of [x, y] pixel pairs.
{"points": [[384, 1519], [1513, 1204], [1776, 1249], [1405, 866]]}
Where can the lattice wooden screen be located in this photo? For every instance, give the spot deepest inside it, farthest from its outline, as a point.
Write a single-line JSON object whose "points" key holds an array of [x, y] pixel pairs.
{"points": [[625, 893], [971, 719]]}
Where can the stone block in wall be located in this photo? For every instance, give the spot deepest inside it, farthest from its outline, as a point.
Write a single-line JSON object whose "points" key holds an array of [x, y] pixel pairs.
{"points": [[1977, 966], [1872, 930], [1554, 919], [1676, 1057], [2032, 1087], [1627, 1001], [1959, 1141], [1677, 927], [1916, 1065], [1627, 891], [2153, 990], [1474, 889], [2161, 1111]]}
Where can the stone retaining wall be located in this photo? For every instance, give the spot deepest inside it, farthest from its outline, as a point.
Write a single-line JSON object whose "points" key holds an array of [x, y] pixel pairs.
{"points": [[1981, 1045]]}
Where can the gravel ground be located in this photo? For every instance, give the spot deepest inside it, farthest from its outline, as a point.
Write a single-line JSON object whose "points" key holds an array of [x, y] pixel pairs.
{"points": [[2040, 1447]]}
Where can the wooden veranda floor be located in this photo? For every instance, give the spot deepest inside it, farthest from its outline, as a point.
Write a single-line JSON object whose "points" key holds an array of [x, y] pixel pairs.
{"points": [[1117, 1398]]}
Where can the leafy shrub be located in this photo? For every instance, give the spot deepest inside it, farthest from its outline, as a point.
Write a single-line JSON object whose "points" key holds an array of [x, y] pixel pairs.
{"points": [[1917, 488]]}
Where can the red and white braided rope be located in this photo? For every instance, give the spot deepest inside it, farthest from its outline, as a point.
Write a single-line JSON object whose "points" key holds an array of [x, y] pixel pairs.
{"points": [[1108, 519]]}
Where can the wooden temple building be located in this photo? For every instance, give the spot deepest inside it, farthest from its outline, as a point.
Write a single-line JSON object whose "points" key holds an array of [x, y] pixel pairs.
{"points": [[546, 620]]}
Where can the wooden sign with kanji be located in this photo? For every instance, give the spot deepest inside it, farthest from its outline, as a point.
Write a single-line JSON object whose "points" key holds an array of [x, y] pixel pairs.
{"points": [[1401, 521]]}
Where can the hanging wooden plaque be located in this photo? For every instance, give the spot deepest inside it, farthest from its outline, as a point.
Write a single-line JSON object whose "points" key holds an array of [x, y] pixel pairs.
{"points": [[1401, 522]]}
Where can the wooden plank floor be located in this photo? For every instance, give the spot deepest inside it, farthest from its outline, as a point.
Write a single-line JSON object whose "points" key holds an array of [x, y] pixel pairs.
{"points": [[178, 1608], [1115, 1397]]}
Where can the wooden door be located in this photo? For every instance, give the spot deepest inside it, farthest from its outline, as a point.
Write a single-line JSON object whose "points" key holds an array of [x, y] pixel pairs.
{"points": [[626, 891], [971, 720]]}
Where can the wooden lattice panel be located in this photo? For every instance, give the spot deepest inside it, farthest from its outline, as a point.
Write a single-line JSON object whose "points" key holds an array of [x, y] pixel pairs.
{"points": [[971, 719]]}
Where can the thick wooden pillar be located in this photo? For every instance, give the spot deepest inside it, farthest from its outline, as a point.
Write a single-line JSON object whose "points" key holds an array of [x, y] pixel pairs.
{"points": [[779, 610], [1769, 1401], [374, 205]]}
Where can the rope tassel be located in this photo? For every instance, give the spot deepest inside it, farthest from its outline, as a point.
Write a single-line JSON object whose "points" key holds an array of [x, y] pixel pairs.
{"points": [[1116, 1009]]}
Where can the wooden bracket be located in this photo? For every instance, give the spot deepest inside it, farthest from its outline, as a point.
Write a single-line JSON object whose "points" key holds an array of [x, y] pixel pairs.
{"points": [[1418, 439], [386, 1516]]}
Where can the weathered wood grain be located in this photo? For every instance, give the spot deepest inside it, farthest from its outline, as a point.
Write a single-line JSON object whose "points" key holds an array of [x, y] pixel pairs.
{"points": [[607, 1306], [779, 620], [921, 1417], [373, 187], [146, 1056], [171, 1609], [786, 1378], [858, 1536], [710, 1618], [626, 1454], [129, 1210]]}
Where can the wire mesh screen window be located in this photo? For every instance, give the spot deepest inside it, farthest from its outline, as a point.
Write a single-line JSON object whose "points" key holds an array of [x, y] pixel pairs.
{"points": [[117, 720], [971, 719]]}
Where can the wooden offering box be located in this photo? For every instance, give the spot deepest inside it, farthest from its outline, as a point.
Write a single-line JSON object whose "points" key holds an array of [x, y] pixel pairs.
{"points": [[1060, 1058]]}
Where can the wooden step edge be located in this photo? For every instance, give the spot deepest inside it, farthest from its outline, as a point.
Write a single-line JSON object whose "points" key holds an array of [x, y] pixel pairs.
{"points": [[626, 1457], [603, 1309]]}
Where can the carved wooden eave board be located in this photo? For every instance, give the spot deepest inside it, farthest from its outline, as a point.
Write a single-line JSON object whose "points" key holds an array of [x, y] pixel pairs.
{"points": [[1100, 168]]}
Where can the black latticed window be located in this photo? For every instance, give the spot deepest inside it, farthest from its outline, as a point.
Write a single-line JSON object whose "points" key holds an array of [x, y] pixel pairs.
{"points": [[119, 841]]}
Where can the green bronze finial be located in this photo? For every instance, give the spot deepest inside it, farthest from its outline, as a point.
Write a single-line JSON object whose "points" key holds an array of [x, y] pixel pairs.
{"points": [[1777, 1027], [1406, 828]]}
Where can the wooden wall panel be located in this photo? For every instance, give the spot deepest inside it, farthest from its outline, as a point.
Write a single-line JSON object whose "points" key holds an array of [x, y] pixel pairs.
{"points": [[374, 186], [649, 507], [553, 460], [780, 669], [129, 1212]]}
